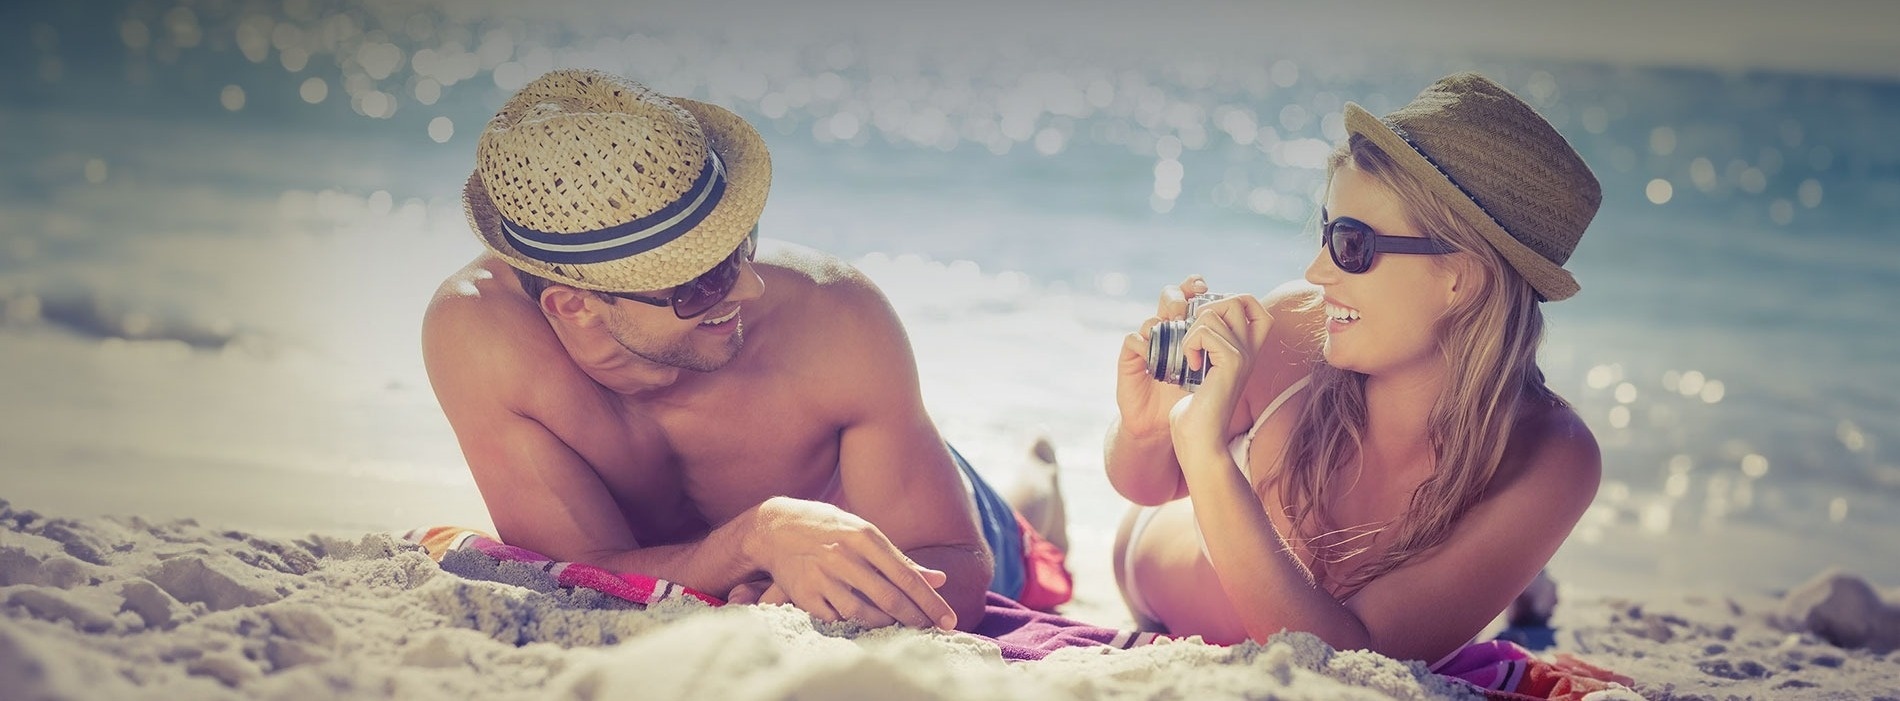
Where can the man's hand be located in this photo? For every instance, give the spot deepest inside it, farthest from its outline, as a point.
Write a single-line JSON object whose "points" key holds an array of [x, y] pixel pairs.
{"points": [[837, 566]]}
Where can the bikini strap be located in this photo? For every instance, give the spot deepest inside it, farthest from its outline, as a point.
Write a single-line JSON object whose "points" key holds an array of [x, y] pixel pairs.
{"points": [[1275, 405]]}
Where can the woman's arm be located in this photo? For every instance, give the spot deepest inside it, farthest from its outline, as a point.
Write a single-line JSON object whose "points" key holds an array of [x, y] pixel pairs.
{"points": [[1436, 603], [1139, 454], [1269, 587], [1429, 607], [1261, 577]]}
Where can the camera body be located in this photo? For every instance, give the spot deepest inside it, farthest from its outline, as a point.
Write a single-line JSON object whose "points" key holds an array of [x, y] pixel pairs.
{"points": [[1167, 358]]}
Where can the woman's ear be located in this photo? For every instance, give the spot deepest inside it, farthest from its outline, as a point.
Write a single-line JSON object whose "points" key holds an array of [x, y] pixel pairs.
{"points": [[1465, 278]]}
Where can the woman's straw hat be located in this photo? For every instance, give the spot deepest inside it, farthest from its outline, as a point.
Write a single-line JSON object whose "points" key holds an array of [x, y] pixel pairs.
{"points": [[595, 181], [1500, 166]]}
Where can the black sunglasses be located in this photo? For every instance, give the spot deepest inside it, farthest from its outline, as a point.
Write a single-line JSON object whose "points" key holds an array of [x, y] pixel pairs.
{"points": [[699, 295], [1354, 244]]}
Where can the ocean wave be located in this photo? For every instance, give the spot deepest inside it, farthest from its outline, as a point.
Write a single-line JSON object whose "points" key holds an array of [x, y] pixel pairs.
{"points": [[102, 314]]}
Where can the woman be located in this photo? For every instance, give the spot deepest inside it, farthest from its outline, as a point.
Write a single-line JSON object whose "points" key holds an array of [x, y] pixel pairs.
{"points": [[1374, 458]]}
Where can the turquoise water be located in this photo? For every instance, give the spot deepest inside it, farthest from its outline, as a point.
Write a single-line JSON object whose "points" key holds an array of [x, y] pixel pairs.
{"points": [[1734, 346]]}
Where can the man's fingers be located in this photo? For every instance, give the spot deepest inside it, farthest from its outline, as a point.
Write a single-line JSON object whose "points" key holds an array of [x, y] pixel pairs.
{"points": [[775, 595], [747, 593], [853, 607], [815, 604], [898, 569], [935, 578], [886, 595]]}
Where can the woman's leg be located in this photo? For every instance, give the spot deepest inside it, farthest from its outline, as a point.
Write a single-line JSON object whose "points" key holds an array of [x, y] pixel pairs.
{"points": [[1131, 528]]}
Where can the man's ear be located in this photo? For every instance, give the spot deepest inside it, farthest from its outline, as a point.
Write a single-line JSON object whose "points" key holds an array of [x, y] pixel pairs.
{"points": [[573, 306]]}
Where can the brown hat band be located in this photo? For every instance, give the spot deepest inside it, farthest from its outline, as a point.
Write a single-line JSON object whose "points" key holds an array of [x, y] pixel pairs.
{"points": [[1396, 129], [630, 238]]}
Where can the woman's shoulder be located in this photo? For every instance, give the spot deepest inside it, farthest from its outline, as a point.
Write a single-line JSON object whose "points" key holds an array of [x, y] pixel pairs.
{"points": [[1295, 342], [1292, 348], [1296, 298]]}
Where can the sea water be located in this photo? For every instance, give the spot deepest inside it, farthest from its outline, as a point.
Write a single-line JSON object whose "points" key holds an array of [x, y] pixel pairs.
{"points": [[222, 222]]}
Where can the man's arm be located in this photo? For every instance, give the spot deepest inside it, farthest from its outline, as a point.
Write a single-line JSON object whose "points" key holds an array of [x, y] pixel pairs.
{"points": [[896, 471], [541, 494]]}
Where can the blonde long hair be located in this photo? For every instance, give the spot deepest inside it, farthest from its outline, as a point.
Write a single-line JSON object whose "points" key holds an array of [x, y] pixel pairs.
{"points": [[1489, 341]]}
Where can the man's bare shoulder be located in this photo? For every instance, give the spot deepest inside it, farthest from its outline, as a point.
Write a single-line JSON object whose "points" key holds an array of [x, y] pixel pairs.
{"points": [[809, 265], [480, 329], [476, 301], [817, 284], [827, 309]]}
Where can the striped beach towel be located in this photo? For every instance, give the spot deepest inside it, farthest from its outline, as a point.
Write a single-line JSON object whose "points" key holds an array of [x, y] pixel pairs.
{"points": [[1021, 633], [1500, 669], [473, 554]]}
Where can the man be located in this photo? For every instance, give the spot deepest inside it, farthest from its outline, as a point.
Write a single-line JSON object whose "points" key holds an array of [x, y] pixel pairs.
{"points": [[632, 389]]}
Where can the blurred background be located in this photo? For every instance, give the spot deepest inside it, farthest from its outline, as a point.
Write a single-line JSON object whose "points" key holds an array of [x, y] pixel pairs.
{"points": [[220, 221]]}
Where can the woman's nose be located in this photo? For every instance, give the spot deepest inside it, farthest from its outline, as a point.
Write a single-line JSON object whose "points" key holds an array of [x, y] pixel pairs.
{"points": [[1322, 271]]}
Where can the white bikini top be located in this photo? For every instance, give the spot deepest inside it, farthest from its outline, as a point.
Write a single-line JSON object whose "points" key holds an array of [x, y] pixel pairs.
{"points": [[1243, 443]]}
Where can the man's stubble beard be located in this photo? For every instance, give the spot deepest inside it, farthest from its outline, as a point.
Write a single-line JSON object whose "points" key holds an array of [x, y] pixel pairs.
{"points": [[680, 354]]}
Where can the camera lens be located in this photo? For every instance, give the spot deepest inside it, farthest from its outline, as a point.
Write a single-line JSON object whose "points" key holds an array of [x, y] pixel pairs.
{"points": [[1167, 359]]}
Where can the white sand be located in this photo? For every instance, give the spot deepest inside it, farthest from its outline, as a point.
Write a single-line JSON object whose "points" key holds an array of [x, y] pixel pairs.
{"points": [[108, 608]]}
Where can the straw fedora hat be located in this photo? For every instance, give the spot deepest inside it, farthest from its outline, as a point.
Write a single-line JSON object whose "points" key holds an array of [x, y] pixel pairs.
{"points": [[1500, 166], [598, 182]]}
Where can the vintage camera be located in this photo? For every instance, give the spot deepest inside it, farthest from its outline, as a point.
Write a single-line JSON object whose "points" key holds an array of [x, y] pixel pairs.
{"points": [[1167, 360]]}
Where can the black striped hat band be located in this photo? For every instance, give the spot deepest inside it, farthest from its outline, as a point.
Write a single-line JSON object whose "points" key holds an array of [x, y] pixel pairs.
{"points": [[631, 238]]}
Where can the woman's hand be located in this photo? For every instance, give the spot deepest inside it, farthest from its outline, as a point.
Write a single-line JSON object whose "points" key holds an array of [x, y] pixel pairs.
{"points": [[1144, 402], [1225, 338]]}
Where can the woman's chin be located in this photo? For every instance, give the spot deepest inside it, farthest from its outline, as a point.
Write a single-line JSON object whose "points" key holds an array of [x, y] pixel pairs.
{"points": [[1337, 358]]}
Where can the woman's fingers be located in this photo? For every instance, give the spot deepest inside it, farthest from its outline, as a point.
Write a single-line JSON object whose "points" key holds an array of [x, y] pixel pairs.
{"points": [[1242, 318], [1258, 320], [1135, 349], [1147, 328], [1173, 304], [1215, 342]]}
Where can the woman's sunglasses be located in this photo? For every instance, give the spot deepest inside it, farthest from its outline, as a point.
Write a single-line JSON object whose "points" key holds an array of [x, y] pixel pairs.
{"points": [[699, 295], [1354, 244]]}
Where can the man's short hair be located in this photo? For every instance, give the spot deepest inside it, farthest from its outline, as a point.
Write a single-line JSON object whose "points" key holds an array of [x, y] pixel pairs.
{"points": [[534, 285], [531, 283]]}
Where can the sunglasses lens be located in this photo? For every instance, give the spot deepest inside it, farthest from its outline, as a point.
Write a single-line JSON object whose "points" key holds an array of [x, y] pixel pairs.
{"points": [[709, 289], [1351, 243]]}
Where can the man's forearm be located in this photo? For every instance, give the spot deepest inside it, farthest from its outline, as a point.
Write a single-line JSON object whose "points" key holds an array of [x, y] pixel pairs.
{"points": [[713, 565], [969, 568]]}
